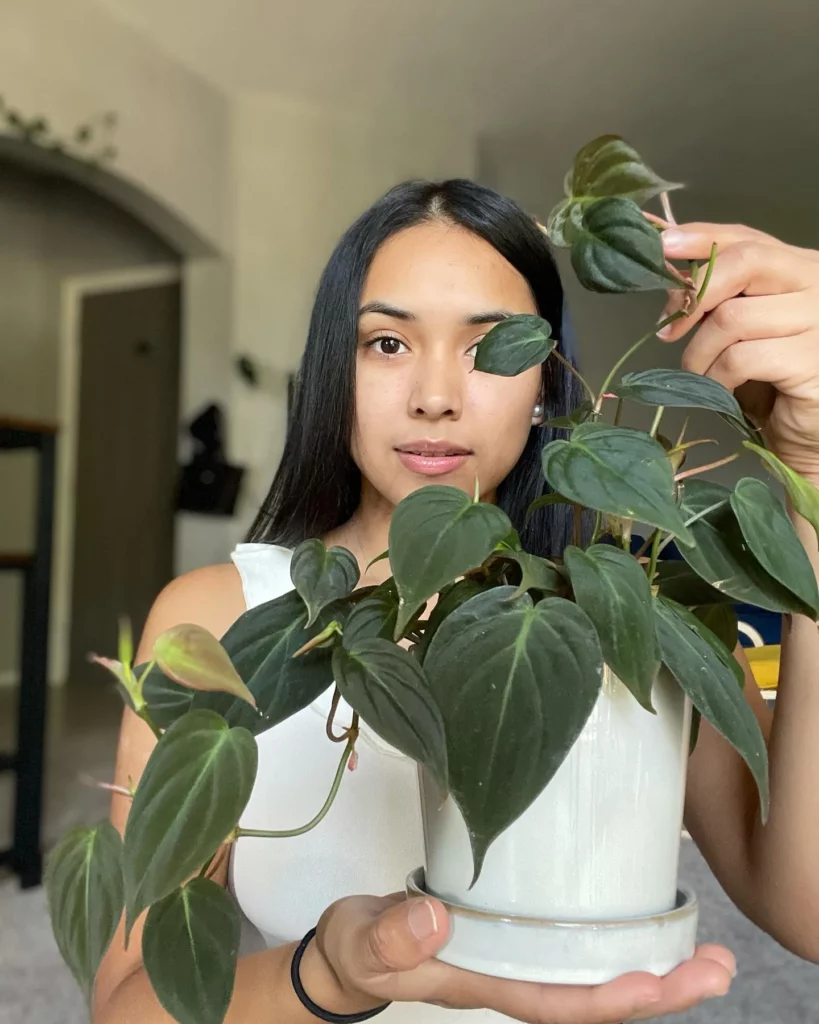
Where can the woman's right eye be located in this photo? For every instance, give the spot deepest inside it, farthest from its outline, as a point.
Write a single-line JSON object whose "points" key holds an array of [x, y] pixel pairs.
{"points": [[387, 346]]}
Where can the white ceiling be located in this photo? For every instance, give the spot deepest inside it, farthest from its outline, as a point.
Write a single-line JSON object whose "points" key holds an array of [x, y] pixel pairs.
{"points": [[723, 88]]}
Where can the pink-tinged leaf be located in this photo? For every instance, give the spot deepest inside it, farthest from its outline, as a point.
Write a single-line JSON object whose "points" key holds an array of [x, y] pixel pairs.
{"points": [[194, 657], [116, 668]]}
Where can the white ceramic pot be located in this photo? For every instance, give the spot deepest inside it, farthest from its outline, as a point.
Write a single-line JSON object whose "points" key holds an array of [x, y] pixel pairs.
{"points": [[600, 847]]}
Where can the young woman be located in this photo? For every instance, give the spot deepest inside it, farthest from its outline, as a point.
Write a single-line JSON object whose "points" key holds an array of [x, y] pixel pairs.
{"points": [[387, 402]]}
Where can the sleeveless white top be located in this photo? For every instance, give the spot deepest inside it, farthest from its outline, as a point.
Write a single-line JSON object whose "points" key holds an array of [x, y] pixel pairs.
{"points": [[369, 842]]}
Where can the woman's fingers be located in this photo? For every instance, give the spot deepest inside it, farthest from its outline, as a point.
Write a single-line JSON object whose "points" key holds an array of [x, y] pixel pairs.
{"points": [[693, 241], [747, 319], [619, 1000], [747, 269], [707, 976]]}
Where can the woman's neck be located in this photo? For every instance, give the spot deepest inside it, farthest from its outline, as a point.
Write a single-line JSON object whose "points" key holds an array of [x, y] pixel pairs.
{"points": [[366, 535]]}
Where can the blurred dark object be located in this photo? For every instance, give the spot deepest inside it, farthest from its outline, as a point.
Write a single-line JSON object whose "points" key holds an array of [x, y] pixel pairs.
{"points": [[24, 857], [209, 484], [248, 371]]}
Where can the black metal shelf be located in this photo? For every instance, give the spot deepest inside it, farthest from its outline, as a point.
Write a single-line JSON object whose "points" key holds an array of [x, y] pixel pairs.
{"points": [[25, 856]]}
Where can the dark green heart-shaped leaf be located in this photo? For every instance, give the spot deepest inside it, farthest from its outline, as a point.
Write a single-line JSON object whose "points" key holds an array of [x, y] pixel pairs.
{"points": [[437, 534], [83, 882], [679, 389], [450, 599], [617, 471], [721, 556], [191, 794], [712, 687], [516, 683], [608, 166], [771, 536], [190, 655], [167, 701], [374, 616], [804, 496], [322, 575], [678, 582], [615, 249], [262, 644], [515, 345], [190, 946], [613, 590], [387, 687], [720, 621], [563, 222], [536, 573], [577, 416]]}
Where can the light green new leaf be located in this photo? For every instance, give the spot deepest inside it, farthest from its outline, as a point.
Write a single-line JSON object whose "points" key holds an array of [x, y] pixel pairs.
{"points": [[771, 536], [83, 883], [387, 687], [712, 687], [615, 250], [190, 797], [804, 496], [193, 657], [613, 590], [618, 471], [515, 345], [563, 222], [190, 946], [516, 683], [322, 575], [436, 535], [262, 644], [721, 557]]}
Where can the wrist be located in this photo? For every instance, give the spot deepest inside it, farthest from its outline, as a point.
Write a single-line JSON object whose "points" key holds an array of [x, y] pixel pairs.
{"points": [[324, 985]]}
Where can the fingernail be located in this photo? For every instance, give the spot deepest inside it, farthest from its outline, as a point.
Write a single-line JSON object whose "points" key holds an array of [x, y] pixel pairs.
{"points": [[666, 332], [673, 239], [718, 991], [734, 971], [422, 920]]}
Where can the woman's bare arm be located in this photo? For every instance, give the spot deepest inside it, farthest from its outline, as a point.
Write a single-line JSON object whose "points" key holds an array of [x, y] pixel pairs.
{"points": [[769, 871], [210, 597]]}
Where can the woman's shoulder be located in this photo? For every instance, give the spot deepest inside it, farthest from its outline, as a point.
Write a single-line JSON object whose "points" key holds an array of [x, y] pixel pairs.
{"points": [[210, 596]]}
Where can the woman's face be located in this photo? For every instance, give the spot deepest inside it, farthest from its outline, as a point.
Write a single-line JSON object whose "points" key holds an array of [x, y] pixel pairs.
{"points": [[423, 413]]}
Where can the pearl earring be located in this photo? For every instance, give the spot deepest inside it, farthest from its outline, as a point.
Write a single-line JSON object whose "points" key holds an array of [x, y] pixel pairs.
{"points": [[537, 412]]}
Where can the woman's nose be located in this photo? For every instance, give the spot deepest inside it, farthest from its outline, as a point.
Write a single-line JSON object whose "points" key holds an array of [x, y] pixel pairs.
{"points": [[437, 392]]}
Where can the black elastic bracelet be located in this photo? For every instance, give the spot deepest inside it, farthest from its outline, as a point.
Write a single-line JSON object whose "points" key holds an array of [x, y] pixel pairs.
{"points": [[314, 1008]]}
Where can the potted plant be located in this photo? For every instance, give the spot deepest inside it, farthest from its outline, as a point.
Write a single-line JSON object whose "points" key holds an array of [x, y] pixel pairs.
{"points": [[549, 703]]}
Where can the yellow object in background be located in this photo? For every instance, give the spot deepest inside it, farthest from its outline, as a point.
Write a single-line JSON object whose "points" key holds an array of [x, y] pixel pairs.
{"points": [[764, 662]]}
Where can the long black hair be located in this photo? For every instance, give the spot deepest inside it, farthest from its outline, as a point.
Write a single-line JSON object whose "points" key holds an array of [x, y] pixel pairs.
{"points": [[317, 487]]}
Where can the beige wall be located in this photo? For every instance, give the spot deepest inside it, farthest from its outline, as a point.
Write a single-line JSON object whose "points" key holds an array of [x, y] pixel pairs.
{"points": [[301, 174], [49, 231]]}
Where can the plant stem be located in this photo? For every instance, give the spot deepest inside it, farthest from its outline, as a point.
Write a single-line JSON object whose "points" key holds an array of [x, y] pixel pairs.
{"points": [[146, 718], [573, 369], [655, 552], [578, 512], [704, 469], [708, 272], [332, 717], [634, 348], [618, 412], [598, 524], [251, 833], [646, 544], [658, 415]]}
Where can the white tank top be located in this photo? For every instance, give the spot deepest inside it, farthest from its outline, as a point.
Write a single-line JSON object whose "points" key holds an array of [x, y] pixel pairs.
{"points": [[369, 842]]}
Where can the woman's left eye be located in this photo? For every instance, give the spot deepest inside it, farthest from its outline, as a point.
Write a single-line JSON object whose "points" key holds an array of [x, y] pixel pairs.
{"points": [[473, 349], [387, 346]]}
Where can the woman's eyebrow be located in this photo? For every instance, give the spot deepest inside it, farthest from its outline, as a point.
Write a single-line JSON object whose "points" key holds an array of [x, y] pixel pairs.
{"points": [[492, 316], [386, 310]]}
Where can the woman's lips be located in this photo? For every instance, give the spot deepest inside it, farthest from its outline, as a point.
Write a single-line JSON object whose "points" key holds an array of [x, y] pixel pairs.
{"points": [[432, 465], [430, 460]]}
